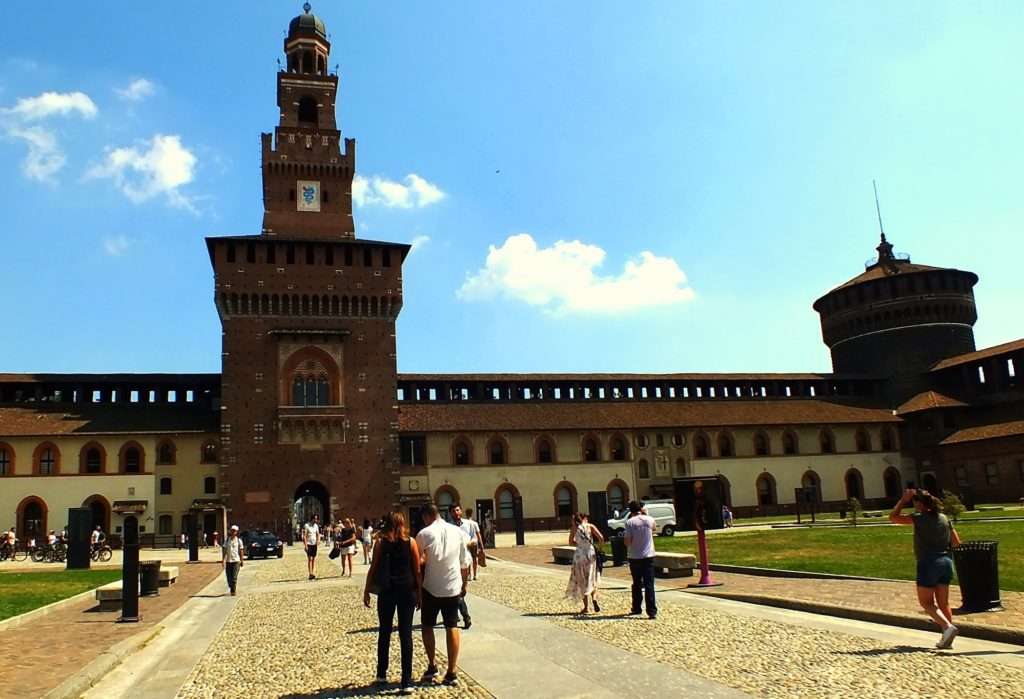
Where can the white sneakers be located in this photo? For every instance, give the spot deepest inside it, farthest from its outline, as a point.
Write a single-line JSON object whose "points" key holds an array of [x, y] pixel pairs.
{"points": [[947, 637]]}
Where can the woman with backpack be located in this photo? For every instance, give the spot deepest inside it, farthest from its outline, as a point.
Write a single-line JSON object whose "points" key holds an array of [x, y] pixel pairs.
{"points": [[395, 575]]}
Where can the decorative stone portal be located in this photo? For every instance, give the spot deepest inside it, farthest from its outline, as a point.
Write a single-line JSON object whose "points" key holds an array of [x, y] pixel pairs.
{"points": [[311, 498]]}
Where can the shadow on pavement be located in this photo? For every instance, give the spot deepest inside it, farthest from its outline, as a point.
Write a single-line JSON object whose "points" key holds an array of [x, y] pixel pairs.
{"points": [[895, 650], [370, 690]]}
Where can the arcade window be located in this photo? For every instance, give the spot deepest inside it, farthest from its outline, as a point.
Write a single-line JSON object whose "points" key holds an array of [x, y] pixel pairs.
{"points": [[659, 439], [165, 453], [310, 387], [544, 451], [93, 461], [47, 462], [992, 474], [641, 440], [496, 451], [678, 440], [165, 486], [132, 460], [962, 478], [5, 462], [563, 502]]}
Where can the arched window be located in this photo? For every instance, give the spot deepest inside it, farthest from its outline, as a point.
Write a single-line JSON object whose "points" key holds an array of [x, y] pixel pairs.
{"points": [[46, 459], [310, 378], [810, 480], [790, 445], [497, 451], [617, 448], [165, 525], [209, 453], [591, 449], [725, 447], [854, 484], [545, 451], [617, 494], [862, 440], [165, 486], [210, 485], [462, 452], [766, 489], [641, 440], [308, 111], [506, 502], [827, 442], [444, 498], [761, 444], [92, 458], [891, 481], [165, 453], [6, 460], [643, 469], [131, 459], [99, 512], [32, 513], [565, 500], [888, 440], [701, 446]]}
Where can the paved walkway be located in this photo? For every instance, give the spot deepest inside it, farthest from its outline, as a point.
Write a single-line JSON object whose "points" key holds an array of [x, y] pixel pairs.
{"points": [[46, 651], [895, 598]]}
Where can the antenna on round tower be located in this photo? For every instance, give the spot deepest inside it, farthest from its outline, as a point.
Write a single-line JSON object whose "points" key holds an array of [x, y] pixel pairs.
{"points": [[878, 209]]}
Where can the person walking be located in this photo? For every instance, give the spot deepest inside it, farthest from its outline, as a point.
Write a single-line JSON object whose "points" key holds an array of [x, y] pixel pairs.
{"points": [[347, 541], [476, 535], [395, 572], [934, 538], [366, 536], [640, 552], [584, 577], [310, 539], [233, 558], [472, 532], [445, 557]]}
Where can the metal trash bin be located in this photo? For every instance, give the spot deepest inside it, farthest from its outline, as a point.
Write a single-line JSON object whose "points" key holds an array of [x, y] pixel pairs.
{"points": [[977, 568], [149, 578], [618, 544]]}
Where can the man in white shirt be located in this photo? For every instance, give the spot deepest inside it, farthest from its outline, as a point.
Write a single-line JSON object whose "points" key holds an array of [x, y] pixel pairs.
{"points": [[446, 560], [310, 539], [233, 558]]}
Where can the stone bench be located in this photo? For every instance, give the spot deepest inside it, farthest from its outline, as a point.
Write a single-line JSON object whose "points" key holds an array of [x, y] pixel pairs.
{"points": [[563, 554], [674, 565], [168, 576], [109, 595]]}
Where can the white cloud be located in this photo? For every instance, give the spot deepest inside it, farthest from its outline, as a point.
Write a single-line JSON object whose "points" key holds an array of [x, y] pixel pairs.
{"points": [[418, 242], [45, 157], [53, 103], [136, 91], [116, 246], [161, 166], [416, 192], [562, 278]]}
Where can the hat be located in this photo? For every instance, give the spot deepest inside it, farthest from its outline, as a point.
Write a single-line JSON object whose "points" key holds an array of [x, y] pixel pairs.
{"points": [[234, 527]]}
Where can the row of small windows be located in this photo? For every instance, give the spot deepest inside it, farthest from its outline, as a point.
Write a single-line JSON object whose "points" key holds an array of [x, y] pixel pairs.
{"points": [[92, 458], [853, 485], [305, 305], [896, 287], [309, 253], [103, 395], [305, 170], [990, 472], [565, 499], [790, 443], [497, 450], [927, 313], [724, 391], [209, 486]]}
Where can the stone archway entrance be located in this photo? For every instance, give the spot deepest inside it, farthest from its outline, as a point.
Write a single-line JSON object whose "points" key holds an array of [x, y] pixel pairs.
{"points": [[311, 498], [99, 512]]}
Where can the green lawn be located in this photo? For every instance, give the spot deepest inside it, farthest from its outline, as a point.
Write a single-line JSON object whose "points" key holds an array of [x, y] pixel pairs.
{"points": [[22, 592], [1006, 511], [882, 552]]}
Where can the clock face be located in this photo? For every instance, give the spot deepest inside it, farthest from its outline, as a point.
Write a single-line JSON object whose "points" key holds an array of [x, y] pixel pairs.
{"points": [[308, 198]]}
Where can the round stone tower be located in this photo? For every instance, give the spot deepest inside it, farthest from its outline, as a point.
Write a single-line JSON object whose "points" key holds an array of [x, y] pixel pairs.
{"points": [[896, 319]]}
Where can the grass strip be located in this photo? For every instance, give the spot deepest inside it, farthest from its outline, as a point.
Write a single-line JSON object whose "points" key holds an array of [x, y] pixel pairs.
{"points": [[23, 592]]}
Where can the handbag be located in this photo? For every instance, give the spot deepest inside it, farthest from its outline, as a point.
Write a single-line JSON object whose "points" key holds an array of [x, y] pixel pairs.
{"points": [[601, 558], [335, 552]]}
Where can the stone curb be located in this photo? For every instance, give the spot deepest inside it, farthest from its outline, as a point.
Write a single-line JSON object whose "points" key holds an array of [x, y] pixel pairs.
{"points": [[79, 683], [967, 629], [781, 573], [33, 614]]}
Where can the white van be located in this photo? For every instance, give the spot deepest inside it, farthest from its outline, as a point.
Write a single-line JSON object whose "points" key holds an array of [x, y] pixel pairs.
{"points": [[663, 512]]}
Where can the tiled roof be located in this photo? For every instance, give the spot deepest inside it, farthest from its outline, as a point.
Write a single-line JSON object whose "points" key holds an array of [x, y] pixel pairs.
{"points": [[975, 434], [461, 378], [93, 419], [927, 401], [993, 351], [458, 417]]}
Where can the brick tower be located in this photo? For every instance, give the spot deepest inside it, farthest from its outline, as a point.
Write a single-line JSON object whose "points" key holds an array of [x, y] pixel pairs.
{"points": [[308, 414], [897, 318]]}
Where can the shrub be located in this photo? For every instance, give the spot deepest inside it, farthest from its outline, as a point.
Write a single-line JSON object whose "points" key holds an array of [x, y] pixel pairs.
{"points": [[855, 508], [952, 506]]}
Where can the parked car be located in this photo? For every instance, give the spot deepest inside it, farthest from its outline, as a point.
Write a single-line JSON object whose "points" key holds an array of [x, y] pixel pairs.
{"points": [[663, 512], [263, 545]]}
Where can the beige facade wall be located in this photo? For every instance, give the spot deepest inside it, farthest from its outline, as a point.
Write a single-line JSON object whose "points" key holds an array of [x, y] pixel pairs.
{"points": [[71, 488]]}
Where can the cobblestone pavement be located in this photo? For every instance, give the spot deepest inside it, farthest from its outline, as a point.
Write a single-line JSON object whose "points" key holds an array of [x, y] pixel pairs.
{"points": [[759, 656], [290, 637], [896, 597]]}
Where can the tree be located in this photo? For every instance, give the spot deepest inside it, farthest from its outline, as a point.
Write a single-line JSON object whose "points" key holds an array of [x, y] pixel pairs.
{"points": [[952, 506], [854, 507]]}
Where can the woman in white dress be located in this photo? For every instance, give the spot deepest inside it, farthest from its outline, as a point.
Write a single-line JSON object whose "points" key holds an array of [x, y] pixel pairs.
{"points": [[585, 578]]}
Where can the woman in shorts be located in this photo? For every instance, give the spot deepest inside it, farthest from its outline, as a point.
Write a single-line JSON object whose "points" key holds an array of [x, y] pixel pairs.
{"points": [[347, 542], [366, 536], [934, 538]]}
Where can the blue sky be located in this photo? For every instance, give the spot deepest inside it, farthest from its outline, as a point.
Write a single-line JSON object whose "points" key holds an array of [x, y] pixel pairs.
{"points": [[730, 142]]}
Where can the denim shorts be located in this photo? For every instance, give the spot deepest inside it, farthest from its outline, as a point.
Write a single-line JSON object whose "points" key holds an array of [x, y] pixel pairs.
{"points": [[935, 571]]}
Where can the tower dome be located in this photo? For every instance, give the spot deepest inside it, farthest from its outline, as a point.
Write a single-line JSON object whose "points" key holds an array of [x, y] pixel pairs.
{"points": [[898, 318], [307, 23]]}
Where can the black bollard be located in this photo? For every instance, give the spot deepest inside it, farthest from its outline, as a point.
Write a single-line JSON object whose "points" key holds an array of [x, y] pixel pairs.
{"points": [[517, 510], [79, 537], [130, 572], [193, 538]]}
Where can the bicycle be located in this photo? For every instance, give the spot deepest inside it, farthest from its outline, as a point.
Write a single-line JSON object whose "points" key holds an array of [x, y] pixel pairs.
{"points": [[57, 553], [101, 554], [13, 553]]}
